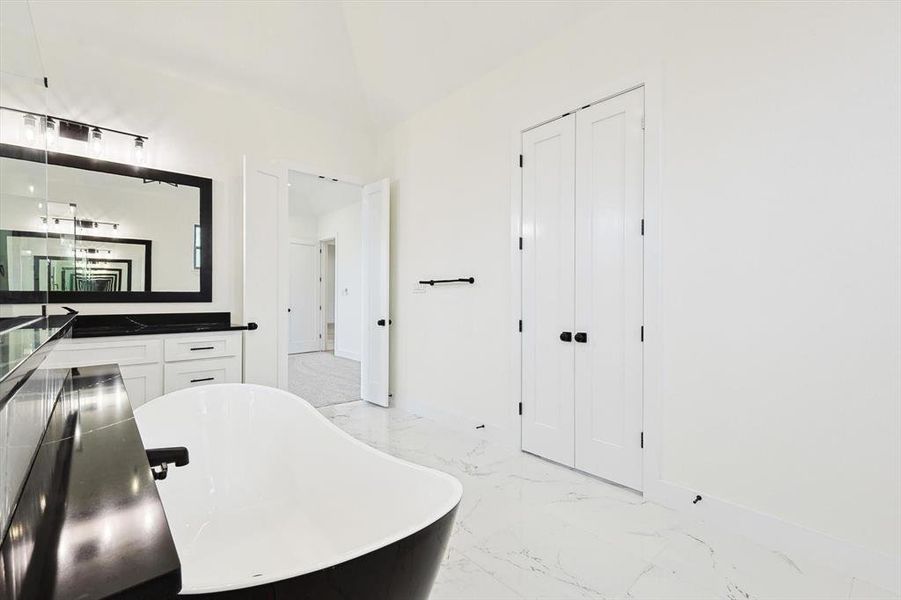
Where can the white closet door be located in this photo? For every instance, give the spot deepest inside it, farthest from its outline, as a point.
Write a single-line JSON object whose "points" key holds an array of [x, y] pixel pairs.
{"points": [[609, 207], [548, 185], [303, 320], [376, 232]]}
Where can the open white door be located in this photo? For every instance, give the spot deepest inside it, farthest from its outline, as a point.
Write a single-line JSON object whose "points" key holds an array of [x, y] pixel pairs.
{"points": [[265, 273], [376, 227]]}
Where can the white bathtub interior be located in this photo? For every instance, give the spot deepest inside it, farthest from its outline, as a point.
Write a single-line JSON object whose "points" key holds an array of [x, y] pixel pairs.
{"points": [[274, 490]]}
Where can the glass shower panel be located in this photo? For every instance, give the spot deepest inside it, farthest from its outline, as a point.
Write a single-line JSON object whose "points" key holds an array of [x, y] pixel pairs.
{"points": [[25, 223]]}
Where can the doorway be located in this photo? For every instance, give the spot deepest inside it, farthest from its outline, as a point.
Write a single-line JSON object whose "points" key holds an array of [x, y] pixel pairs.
{"points": [[325, 296], [269, 227], [582, 326]]}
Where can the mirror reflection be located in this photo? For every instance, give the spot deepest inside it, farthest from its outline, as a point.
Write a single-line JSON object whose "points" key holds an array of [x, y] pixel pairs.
{"points": [[100, 232]]}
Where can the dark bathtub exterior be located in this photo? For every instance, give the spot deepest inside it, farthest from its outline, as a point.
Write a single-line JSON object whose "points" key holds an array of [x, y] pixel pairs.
{"points": [[404, 570]]}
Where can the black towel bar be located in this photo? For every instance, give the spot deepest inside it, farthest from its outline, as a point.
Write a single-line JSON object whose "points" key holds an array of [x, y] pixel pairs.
{"points": [[459, 280]]}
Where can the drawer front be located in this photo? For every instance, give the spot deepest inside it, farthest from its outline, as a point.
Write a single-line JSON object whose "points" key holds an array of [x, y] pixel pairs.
{"points": [[135, 350], [142, 382], [180, 375], [193, 347]]}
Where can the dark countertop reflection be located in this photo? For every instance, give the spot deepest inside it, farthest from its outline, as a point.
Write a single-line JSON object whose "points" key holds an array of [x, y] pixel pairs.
{"points": [[89, 522], [149, 324]]}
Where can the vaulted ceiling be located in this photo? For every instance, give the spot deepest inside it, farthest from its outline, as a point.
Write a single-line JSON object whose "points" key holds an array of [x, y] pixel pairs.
{"points": [[378, 61]]}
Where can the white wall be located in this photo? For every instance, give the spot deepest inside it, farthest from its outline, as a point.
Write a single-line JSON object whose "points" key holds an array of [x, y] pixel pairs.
{"points": [[202, 131], [345, 225], [780, 247]]}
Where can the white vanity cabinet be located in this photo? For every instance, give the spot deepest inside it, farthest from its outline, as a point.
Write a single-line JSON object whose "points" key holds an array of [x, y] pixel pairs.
{"points": [[153, 365]]}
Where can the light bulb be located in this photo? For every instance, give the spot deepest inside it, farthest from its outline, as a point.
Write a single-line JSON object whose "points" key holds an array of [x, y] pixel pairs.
{"points": [[51, 132], [96, 141], [30, 125], [139, 150]]}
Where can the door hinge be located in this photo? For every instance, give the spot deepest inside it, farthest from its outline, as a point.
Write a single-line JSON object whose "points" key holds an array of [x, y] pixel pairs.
{"points": [[642, 227], [320, 307], [520, 408], [520, 325], [520, 243], [642, 122], [642, 333], [520, 161], [642, 439]]}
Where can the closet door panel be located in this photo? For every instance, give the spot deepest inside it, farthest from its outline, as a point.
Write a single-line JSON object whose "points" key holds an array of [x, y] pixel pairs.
{"points": [[608, 297], [548, 186]]}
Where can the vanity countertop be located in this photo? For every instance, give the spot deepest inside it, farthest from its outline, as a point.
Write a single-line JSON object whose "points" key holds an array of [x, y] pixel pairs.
{"points": [[87, 326], [89, 522]]}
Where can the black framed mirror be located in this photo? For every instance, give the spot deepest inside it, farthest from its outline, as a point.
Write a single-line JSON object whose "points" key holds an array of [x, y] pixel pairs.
{"points": [[108, 232]]}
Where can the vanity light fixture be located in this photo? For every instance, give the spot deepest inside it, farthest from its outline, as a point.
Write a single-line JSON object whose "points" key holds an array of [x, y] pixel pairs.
{"points": [[50, 132], [139, 150], [49, 129], [96, 141], [82, 223], [31, 124]]}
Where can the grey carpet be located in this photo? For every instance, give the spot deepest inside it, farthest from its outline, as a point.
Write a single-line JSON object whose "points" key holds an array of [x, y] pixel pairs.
{"points": [[323, 379]]}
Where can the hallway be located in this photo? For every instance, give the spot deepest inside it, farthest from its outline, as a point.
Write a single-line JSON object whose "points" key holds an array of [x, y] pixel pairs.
{"points": [[323, 379]]}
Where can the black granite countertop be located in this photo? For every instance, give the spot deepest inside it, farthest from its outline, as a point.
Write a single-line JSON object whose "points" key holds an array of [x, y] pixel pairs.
{"points": [[89, 522], [149, 324]]}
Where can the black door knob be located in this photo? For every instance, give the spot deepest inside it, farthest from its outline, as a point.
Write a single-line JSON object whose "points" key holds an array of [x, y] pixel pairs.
{"points": [[581, 337], [566, 336]]}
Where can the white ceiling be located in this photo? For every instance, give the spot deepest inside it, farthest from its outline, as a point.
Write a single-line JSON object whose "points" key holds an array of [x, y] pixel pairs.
{"points": [[309, 195], [376, 62]]}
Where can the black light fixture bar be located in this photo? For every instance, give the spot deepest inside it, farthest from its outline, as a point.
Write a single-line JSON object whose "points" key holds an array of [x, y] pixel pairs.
{"points": [[83, 223], [73, 122]]}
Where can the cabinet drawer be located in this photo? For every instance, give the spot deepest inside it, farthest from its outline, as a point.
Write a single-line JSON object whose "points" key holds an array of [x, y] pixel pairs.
{"points": [[121, 351], [185, 374], [193, 347]]}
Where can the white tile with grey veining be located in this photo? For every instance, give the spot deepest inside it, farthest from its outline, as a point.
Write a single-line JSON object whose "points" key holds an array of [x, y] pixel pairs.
{"points": [[528, 528], [462, 579]]}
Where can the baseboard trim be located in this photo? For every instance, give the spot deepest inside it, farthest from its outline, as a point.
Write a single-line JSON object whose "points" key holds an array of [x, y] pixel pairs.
{"points": [[844, 557], [841, 556], [348, 355]]}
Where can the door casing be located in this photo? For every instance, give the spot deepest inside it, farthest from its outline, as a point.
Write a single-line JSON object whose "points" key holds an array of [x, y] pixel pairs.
{"points": [[650, 77]]}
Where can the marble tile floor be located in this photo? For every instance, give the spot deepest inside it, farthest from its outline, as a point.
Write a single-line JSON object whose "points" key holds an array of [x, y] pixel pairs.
{"points": [[527, 528]]}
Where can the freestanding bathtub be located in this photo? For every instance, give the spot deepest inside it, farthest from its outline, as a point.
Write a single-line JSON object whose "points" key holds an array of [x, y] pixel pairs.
{"points": [[277, 502]]}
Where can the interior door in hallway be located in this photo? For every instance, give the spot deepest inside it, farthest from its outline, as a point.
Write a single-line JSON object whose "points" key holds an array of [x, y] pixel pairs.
{"points": [[608, 283], [548, 184], [303, 317]]}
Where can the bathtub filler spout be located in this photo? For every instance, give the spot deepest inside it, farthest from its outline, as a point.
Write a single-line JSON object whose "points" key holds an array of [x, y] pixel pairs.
{"points": [[161, 458]]}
